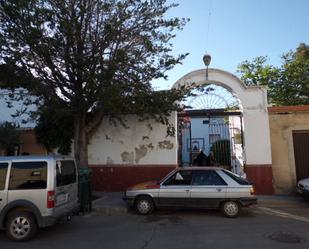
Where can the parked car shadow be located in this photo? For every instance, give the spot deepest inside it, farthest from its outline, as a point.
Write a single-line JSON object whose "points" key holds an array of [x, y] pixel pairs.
{"points": [[177, 215]]}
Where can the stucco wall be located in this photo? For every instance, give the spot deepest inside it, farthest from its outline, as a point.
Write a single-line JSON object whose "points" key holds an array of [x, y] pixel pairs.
{"points": [[282, 123], [140, 143]]}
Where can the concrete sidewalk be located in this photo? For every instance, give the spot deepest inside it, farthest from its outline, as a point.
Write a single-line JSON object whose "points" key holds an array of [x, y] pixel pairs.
{"points": [[109, 203], [282, 200]]}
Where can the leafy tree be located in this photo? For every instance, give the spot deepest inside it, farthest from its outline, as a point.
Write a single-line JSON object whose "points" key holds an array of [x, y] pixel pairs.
{"points": [[287, 84], [89, 58], [302, 51], [9, 136], [54, 130], [257, 72]]}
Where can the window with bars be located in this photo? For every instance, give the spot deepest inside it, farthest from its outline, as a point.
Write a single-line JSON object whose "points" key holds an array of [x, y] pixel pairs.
{"points": [[213, 138]]}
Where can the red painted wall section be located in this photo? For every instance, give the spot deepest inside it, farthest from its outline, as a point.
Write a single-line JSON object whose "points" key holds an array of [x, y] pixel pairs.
{"points": [[119, 178], [261, 177]]}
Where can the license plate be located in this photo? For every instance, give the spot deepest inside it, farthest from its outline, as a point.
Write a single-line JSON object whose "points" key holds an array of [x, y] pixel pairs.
{"points": [[61, 198]]}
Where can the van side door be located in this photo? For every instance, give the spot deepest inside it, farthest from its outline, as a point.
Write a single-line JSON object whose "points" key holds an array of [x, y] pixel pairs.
{"points": [[28, 181], [66, 189], [3, 186]]}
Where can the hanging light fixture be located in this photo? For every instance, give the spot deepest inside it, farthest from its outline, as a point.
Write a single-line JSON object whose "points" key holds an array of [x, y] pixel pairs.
{"points": [[207, 60]]}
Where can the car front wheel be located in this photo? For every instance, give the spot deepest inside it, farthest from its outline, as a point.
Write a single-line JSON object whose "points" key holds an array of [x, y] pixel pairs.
{"points": [[20, 226], [144, 205], [231, 209]]}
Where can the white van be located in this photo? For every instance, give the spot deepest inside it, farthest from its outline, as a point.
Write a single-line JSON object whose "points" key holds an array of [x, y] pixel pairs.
{"points": [[36, 191]]}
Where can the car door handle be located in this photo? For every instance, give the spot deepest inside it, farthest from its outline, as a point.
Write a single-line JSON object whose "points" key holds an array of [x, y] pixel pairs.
{"points": [[187, 190], [219, 189]]}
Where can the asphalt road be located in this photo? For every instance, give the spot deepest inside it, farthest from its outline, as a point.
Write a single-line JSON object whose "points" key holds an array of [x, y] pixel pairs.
{"points": [[258, 227]]}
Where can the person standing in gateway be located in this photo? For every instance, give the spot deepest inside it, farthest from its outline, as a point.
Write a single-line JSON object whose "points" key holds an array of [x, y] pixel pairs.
{"points": [[201, 159]]}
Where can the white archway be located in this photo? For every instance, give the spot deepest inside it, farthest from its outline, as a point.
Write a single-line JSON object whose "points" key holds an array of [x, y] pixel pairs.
{"points": [[254, 108]]}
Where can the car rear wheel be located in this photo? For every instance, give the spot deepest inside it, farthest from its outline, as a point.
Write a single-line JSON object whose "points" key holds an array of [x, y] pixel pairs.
{"points": [[144, 205], [21, 226], [231, 209]]}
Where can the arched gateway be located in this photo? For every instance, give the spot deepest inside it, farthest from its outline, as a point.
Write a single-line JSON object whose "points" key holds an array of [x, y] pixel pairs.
{"points": [[255, 116]]}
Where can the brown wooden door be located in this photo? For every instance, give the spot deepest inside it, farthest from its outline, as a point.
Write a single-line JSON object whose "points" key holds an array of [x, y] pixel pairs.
{"points": [[301, 153]]}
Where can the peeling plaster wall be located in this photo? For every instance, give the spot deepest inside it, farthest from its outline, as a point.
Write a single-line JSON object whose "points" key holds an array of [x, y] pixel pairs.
{"points": [[134, 145]]}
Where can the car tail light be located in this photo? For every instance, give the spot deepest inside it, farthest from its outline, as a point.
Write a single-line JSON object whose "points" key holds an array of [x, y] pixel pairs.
{"points": [[252, 191], [50, 199]]}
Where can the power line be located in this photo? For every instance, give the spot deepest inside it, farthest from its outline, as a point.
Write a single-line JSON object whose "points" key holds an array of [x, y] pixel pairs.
{"points": [[208, 24]]}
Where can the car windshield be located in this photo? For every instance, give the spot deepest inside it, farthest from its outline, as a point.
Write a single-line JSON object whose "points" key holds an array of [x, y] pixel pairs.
{"points": [[167, 176], [240, 180]]}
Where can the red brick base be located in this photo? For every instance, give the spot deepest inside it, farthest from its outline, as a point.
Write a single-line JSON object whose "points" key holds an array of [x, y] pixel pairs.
{"points": [[119, 177], [262, 178]]}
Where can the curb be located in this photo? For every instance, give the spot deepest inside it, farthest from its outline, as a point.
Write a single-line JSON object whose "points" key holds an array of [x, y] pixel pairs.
{"points": [[281, 204], [280, 201], [109, 205]]}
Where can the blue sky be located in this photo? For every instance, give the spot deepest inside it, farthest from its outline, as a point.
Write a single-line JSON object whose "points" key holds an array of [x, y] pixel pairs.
{"points": [[239, 30]]}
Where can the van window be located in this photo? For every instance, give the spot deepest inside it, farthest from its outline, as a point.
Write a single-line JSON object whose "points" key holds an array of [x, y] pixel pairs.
{"points": [[28, 175], [65, 173], [3, 171]]}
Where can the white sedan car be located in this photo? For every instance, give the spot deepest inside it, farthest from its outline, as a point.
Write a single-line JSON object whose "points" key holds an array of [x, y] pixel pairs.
{"points": [[193, 187], [303, 188]]}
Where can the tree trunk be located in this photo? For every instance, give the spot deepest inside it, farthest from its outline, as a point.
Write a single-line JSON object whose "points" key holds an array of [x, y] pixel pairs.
{"points": [[80, 142]]}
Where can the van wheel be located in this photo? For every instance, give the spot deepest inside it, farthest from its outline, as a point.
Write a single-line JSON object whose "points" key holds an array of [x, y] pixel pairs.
{"points": [[144, 205], [231, 209], [21, 226]]}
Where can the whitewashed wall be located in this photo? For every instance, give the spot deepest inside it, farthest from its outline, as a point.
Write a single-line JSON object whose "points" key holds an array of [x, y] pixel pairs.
{"points": [[138, 144]]}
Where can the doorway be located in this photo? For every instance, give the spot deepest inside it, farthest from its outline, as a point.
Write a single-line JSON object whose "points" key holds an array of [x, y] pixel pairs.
{"points": [[301, 153], [215, 132]]}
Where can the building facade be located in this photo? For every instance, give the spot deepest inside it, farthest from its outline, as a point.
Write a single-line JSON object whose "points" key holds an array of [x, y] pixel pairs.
{"points": [[269, 144], [289, 132], [121, 156]]}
